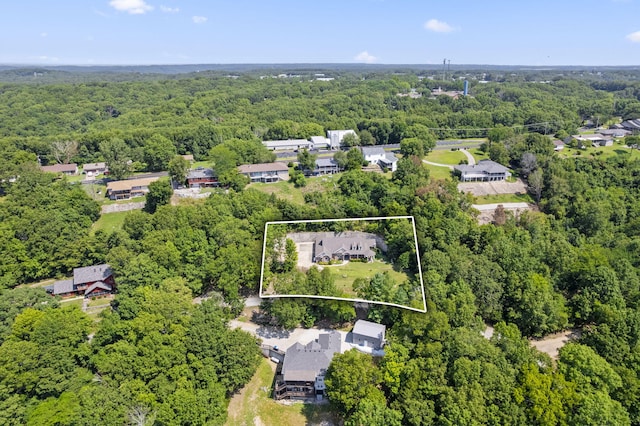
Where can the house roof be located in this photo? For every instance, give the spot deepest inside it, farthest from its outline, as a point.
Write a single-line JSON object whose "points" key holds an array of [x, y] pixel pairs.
{"points": [[615, 132], [304, 362], [631, 124], [88, 167], [60, 168], [390, 157], [558, 142], [263, 167], [327, 246], [289, 142], [124, 185], [483, 166], [201, 173], [62, 287], [90, 274], [592, 137], [326, 162], [369, 329], [98, 285], [372, 150]]}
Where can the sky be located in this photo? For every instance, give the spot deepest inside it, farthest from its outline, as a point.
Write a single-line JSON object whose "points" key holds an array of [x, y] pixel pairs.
{"points": [[492, 32]]}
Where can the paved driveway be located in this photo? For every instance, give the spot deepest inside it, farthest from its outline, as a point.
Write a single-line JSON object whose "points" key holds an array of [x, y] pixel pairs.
{"points": [[305, 254]]}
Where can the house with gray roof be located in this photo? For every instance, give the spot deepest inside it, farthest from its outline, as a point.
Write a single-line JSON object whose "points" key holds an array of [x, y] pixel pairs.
{"points": [[305, 366], [65, 169], [344, 247], [631, 125], [201, 178], [377, 155], [369, 334], [265, 172], [325, 166], [89, 281], [484, 171]]}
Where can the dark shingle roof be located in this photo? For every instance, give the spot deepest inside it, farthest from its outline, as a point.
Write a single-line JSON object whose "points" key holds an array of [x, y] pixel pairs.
{"points": [[201, 173], [486, 166], [100, 285], [304, 362], [91, 274], [372, 150], [62, 287]]}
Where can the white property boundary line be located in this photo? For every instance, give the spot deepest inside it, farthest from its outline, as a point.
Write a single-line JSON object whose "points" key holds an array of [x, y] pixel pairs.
{"points": [[415, 240]]}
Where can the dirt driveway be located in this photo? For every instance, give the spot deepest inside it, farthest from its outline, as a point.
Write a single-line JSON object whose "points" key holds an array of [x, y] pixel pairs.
{"points": [[305, 255]]}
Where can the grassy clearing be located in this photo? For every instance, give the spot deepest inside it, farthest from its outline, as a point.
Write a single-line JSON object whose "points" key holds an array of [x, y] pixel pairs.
{"points": [[479, 155], [110, 222], [446, 157], [346, 274], [72, 302], [285, 189], [437, 173], [254, 405], [504, 198], [602, 152], [96, 191]]}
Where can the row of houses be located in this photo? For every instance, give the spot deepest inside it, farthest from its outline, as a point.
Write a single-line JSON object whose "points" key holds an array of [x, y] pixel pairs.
{"points": [[72, 169]]}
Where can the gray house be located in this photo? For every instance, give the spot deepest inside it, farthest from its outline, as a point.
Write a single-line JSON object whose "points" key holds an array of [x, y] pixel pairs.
{"points": [[369, 334], [484, 171], [304, 368], [344, 248]]}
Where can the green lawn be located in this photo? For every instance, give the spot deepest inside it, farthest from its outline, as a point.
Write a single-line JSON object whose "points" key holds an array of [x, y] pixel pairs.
{"points": [[479, 155], [346, 274], [446, 157], [607, 151], [437, 172], [110, 222], [287, 191], [255, 406], [504, 198]]}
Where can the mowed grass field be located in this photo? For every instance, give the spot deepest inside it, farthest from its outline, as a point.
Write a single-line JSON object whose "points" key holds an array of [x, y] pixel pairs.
{"points": [[446, 156], [602, 152], [110, 222], [346, 274], [287, 191], [253, 405]]}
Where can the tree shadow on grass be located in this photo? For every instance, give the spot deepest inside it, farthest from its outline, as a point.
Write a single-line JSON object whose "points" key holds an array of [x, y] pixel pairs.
{"points": [[320, 413]]}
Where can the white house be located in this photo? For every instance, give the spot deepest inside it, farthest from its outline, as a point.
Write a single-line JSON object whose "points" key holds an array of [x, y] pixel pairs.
{"points": [[336, 136], [377, 155]]}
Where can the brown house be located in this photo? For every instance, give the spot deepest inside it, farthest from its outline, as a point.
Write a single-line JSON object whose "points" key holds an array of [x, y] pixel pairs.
{"points": [[130, 188], [65, 169], [265, 172], [201, 178], [89, 281]]}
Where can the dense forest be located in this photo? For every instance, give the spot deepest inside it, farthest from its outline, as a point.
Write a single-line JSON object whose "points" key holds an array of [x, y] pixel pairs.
{"points": [[157, 358]]}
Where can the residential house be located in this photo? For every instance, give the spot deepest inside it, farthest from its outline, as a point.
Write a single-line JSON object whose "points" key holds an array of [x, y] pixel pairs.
{"points": [[94, 168], [615, 133], [595, 139], [89, 281], [65, 169], [336, 137], [320, 142], [265, 172], [558, 145], [305, 366], [369, 334], [484, 171], [325, 166], [344, 247], [201, 178], [130, 188], [631, 125], [377, 155], [288, 145]]}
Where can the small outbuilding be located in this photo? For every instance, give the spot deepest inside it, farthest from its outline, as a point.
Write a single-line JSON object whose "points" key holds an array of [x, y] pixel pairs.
{"points": [[369, 334]]}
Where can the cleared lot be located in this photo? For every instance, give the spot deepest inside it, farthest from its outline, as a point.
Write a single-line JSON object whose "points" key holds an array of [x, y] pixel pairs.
{"points": [[493, 188]]}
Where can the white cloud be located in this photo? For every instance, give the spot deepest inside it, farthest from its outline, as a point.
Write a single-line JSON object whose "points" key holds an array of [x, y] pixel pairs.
{"points": [[134, 7], [167, 9], [634, 37], [365, 57], [199, 19], [438, 26]]}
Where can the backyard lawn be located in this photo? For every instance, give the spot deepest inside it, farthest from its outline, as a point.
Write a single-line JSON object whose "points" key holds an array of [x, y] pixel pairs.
{"points": [[110, 222], [446, 156], [602, 152], [253, 405], [286, 191], [437, 172], [346, 274]]}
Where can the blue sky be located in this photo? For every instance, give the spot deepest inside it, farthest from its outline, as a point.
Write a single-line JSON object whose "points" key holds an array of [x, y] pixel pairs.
{"points": [[499, 32]]}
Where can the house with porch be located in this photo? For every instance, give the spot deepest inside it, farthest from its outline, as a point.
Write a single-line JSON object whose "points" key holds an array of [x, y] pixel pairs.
{"points": [[305, 366], [325, 166], [202, 178], [129, 188], [355, 245], [377, 155], [90, 281], [265, 172], [484, 171], [595, 139], [65, 169]]}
